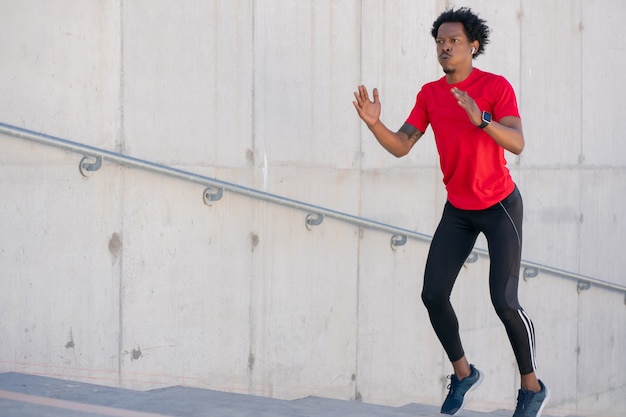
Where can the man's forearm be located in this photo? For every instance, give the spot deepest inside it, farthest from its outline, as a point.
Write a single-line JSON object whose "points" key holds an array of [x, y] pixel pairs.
{"points": [[508, 134], [396, 143]]}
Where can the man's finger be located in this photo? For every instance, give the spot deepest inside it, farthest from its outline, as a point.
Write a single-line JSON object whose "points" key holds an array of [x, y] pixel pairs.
{"points": [[363, 92]]}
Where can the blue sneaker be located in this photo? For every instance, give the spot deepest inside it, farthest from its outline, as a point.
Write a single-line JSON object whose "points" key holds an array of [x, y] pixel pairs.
{"points": [[456, 396], [531, 404]]}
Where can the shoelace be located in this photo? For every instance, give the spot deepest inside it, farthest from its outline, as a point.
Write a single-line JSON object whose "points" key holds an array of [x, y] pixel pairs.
{"points": [[522, 401], [454, 382]]}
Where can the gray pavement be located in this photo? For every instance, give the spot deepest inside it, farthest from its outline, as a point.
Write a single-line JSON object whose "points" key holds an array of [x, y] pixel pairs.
{"points": [[23, 395]]}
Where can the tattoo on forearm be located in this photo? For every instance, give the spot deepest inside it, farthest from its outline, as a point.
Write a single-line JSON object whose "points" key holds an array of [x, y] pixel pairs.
{"points": [[411, 132]]}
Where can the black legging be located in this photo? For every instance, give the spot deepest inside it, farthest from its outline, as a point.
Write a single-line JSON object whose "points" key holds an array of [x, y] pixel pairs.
{"points": [[452, 243]]}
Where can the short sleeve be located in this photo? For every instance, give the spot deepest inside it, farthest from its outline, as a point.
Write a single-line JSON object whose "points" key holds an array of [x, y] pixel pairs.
{"points": [[505, 103], [418, 117]]}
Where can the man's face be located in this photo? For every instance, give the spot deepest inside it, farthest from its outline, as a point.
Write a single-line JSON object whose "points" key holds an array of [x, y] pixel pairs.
{"points": [[453, 48]]}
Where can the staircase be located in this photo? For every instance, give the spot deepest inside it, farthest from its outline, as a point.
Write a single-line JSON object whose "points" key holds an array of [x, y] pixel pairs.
{"points": [[23, 395]]}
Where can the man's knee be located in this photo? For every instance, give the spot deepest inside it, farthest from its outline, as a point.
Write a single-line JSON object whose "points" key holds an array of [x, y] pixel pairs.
{"points": [[433, 300], [506, 313]]}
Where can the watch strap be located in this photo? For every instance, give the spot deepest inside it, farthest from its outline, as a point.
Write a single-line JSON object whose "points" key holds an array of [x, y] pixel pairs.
{"points": [[485, 120]]}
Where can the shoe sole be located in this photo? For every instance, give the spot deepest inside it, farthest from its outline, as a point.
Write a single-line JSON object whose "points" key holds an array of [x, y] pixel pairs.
{"points": [[472, 388], [545, 401]]}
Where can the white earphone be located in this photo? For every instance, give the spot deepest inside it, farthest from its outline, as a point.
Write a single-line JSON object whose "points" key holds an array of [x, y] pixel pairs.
{"points": [[473, 50]]}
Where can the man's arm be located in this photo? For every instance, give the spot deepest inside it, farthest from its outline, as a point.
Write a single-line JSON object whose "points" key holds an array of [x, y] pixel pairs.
{"points": [[398, 143], [507, 132]]}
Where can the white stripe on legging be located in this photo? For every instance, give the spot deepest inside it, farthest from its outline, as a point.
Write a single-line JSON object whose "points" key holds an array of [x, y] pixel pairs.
{"points": [[519, 239], [530, 330]]}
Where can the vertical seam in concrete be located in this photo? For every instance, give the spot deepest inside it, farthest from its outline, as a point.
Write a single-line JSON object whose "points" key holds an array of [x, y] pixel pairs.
{"points": [[120, 145], [120, 148], [580, 161], [359, 231], [581, 158], [253, 74], [251, 305]]}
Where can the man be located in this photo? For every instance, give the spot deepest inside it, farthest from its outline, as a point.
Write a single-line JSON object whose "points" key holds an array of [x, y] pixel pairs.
{"points": [[474, 117]]}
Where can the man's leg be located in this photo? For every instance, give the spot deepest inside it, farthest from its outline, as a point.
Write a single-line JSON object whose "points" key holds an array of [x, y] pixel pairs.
{"points": [[450, 247], [503, 230]]}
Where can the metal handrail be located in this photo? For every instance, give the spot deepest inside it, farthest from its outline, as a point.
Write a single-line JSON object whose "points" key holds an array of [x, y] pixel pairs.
{"points": [[399, 235]]}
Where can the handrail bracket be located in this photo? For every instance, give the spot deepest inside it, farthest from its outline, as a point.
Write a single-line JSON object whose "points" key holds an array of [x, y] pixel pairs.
{"points": [[530, 272], [583, 286], [212, 194], [313, 219], [89, 164], [397, 240], [473, 257]]}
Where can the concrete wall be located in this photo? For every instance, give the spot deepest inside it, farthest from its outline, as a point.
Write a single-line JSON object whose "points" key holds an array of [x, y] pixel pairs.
{"points": [[127, 278]]}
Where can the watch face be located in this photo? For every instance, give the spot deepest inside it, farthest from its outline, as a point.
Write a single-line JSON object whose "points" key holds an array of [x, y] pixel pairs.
{"points": [[487, 117]]}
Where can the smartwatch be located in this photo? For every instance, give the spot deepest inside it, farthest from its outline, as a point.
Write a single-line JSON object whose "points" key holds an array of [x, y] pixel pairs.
{"points": [[486, 120]]}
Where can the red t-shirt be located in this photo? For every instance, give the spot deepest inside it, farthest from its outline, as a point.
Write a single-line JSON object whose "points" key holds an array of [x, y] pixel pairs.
{"points": [[473, 164]]}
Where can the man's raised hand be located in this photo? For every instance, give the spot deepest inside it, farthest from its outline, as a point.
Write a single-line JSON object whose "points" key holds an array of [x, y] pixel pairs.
{"points": [[369, 111]]}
